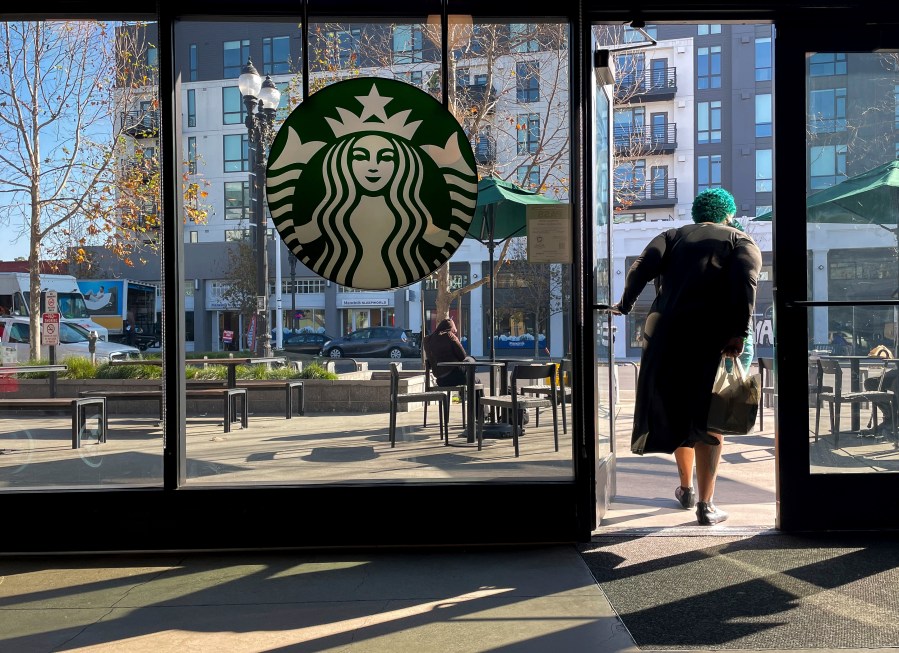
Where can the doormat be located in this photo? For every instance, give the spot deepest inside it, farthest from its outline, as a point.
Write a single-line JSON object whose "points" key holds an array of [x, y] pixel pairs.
{"points": [[758, 592]]}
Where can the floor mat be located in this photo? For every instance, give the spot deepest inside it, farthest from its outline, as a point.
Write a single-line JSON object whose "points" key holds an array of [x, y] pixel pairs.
{"points": [[754, 592]]}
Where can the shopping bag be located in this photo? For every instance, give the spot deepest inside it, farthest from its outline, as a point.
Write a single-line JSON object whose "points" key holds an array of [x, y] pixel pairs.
{"points": [[735, 400]]}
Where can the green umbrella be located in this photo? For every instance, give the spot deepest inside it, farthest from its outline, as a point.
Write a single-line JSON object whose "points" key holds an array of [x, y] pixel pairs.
{"points": [[501, 213], [871, 197]]}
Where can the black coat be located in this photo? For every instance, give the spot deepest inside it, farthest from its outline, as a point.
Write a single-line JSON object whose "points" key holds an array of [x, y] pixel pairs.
{"points": [[706, 276]]}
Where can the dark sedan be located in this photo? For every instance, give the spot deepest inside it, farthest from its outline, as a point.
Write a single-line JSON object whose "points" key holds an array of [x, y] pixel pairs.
{"points": [[306, 343], [372, 342]]}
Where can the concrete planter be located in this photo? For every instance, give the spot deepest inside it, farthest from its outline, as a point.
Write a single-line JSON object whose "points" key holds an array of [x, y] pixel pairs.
{"points": [[353, 392]]}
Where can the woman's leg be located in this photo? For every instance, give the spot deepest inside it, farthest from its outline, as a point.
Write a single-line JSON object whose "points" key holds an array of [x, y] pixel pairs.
{"points": [[684, 457], [707, 457]]}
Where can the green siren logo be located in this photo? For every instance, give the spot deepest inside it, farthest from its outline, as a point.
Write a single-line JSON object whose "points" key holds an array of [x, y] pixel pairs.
{"points": [[372, 183]]}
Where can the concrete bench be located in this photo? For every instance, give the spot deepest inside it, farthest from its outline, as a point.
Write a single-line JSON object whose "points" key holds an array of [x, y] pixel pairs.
{"points": [[78, 408], [228, 395]]}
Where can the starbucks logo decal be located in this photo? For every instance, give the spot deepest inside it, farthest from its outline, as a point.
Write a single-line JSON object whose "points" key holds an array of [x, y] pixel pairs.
{"points": [[371, 183]]}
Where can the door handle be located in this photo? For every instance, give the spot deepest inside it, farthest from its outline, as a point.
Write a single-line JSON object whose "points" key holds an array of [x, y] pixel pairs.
{"points": [[602, 307]]}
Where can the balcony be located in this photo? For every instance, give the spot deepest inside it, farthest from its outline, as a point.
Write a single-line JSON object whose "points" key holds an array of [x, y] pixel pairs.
{"points": [[633, 141], [141, 124], [650, 194], [484, 152], [647, 85], [476, 96]]}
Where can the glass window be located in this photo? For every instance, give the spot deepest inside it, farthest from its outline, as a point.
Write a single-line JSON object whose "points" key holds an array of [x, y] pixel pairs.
{"points": [[528, 128], [708, 172], [152, 56], [630, 217], [237, 200], [705, 30], [827, 110], [629, 127], [275, 55], [708, 67], [827, 165], [407, 44], [194, 236], [236, 54], [193, 56], [527, 81], [192, 155], [237, 235], [234, 112], [522, 37], [629, 70], [529, 177], [827, 63], [191, 108], [763, 59], [764, 171], [708, 122], [763, 125], [237, 156]]}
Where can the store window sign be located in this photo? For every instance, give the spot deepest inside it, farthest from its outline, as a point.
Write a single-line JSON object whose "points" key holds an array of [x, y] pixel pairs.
{"points": [[371, 183], [359, 302]]}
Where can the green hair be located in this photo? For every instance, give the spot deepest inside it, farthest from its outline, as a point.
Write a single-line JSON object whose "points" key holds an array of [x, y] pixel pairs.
{"points": [[713, 205]]}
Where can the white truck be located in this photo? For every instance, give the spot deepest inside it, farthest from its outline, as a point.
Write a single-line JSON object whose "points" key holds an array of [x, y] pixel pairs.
{"points": [[15, 291], [109, 302]]}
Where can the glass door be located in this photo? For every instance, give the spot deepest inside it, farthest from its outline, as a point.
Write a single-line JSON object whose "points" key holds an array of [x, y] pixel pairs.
{"points": [[605, 390], [849, 301]]}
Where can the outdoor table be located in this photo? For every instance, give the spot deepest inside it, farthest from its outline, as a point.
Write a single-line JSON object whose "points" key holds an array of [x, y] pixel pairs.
{"points": [[470, 368], [855, 363], [232, 364]]}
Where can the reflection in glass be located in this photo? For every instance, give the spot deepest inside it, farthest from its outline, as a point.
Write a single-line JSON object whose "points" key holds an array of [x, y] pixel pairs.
{"points": [[851, 217]]}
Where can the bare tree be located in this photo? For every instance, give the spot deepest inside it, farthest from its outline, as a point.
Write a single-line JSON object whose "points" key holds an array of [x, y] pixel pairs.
{"points": [[240, 290], [65, 86]]}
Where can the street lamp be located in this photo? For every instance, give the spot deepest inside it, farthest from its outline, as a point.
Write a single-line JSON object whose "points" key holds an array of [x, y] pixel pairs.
{"points": [[293, 291], [261, 99]]}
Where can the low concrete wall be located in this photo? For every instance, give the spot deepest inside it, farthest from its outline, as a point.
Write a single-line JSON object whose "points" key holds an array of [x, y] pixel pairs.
{"points": [[353, 392]]}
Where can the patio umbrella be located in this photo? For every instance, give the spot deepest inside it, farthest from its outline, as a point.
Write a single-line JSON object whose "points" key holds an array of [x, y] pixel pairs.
{"points": [[871, 197], [500, 214]]}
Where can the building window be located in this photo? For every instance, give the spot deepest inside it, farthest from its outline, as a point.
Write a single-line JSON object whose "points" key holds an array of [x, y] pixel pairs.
{"points": [[192, 155], [630, 217], [827, 165], [630, 176], [522, 37], [191, 108], [708, 67], [763, 59], [237, 155], [708, 172], [236, 235], [413, 77], [705, 30], [275, 55], [152, 55], [827, 109], [659, 187], [529, 177], [236, 55], [762, 209], [237, 200], [527, 81], [632, 35], [823, 64], [309, 286], [407, 44], [629, 68], [764, 171], [194, 236], [628, 127], [528, 129], [763, 115], [708, 122], [233, 110], [194, 73]]}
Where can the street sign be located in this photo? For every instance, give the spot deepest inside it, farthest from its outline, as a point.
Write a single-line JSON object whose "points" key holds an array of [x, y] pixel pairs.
{"points": [[50, 329], [51, 305]]}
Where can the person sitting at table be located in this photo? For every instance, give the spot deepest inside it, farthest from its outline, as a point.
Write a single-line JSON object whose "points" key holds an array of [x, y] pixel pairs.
{"points": [[889, 382], [443, 346]]}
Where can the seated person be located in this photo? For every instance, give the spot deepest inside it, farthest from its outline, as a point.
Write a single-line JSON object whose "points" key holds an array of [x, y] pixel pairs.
{"points": [[889, 383], [443, 346]]}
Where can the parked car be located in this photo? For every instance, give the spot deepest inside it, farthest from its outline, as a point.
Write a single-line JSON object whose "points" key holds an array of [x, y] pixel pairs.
{"points": [[371, 342], [306, 343], [74, 341]]}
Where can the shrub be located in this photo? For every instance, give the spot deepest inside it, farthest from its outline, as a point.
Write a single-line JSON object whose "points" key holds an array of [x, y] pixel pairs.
{"points": [[315, 371]]}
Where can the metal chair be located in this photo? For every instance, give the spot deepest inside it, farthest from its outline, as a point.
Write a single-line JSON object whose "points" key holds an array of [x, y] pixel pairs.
{"points": [[766, 371], [449, 389], [515, 401], [836, 398], [563, 391], [396, 398]]}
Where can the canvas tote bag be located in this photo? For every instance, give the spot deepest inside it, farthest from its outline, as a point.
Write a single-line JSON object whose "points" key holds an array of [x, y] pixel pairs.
{"points": [[735, 400]]}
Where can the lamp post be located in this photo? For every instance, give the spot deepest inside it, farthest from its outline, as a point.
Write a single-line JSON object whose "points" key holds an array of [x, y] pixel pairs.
{"points": [[293, 291], [261, 99]]}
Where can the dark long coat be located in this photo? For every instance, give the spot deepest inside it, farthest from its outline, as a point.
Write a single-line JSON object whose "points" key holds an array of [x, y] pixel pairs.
{"points": [[706, 276]]}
